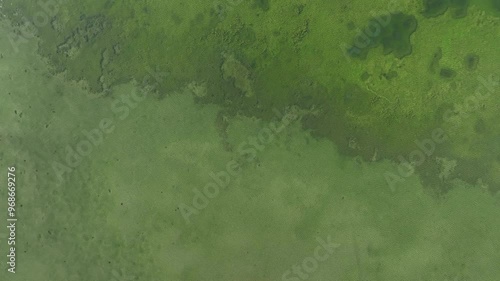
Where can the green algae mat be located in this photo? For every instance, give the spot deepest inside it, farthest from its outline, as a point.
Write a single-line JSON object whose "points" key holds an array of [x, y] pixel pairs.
{"points": [[258, 140]]}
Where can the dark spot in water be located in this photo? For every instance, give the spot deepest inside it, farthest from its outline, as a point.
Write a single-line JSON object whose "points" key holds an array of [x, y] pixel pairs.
{"points": [[390, 75], [470, 170], [496, 4], [436, 57], [471, 61], [300, 9], [447, 73], [262, 4], [434, 8], [459, 8], [394, 37]]}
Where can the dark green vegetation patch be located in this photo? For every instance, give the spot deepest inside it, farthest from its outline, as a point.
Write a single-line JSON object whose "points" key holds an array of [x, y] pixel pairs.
{"points": [[262, 4], [393, 33], [435, 8], [447, 73], [436, 57], [496, 4], [458, 8], [471, 61]]}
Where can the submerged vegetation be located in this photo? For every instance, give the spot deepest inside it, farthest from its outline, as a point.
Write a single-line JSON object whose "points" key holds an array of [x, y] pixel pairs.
{"points": [[434, 8], [264, 51], [371, 90], [393, 35], [471, 61]]}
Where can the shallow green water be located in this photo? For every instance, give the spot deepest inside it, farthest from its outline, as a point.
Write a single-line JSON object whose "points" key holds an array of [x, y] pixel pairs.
{"points": [[250, 140]]}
